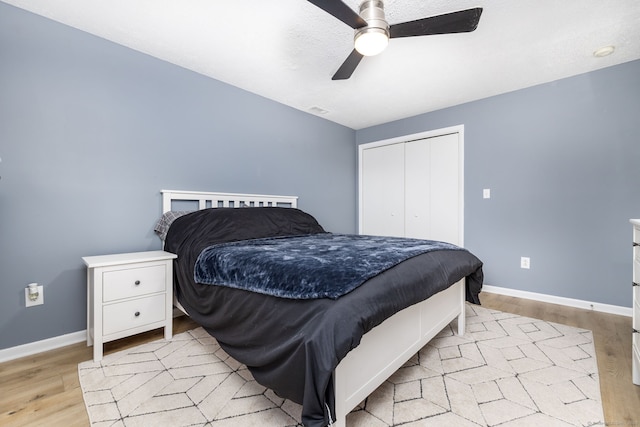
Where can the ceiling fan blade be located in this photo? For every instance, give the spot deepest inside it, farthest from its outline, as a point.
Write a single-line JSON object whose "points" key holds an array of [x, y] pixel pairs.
{"points": [[463, 21], [348, 66], [341, 11]]}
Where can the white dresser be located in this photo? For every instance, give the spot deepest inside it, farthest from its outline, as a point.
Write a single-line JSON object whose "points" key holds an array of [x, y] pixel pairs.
{"points": [[635, 348], [128, 294]]}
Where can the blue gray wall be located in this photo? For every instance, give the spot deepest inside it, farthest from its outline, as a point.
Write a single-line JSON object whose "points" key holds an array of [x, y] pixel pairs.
{"points": [[562, 161], [90, 132]]}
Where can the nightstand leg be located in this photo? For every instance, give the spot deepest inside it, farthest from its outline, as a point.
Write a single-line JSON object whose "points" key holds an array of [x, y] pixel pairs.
{"points": [[89, 307], [168, 326], [97, 351]]}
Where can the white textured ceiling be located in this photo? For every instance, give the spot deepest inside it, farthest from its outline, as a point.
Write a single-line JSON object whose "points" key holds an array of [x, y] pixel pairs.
{"points": [[287, 50]]}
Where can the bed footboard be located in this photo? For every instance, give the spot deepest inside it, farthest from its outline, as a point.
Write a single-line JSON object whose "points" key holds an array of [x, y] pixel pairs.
{"points": [[385, 348]]}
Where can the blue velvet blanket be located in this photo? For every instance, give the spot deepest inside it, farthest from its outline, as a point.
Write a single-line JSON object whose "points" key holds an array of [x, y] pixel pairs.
{"points": [[323, 265]]}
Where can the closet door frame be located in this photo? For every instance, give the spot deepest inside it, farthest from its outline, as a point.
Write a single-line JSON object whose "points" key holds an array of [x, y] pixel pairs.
{"points": [[459, 129]]}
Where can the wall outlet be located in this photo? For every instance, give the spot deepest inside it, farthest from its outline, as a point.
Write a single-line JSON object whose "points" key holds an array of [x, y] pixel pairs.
{"points": [[525, 262], [486, 193], [28, 302]]}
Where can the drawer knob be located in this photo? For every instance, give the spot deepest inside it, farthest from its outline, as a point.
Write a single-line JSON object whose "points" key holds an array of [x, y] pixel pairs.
{"points": [[137, 313], [137, 282]]}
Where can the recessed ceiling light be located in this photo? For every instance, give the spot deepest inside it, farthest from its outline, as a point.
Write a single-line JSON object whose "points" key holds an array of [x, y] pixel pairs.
{"points": [[604, 51]]}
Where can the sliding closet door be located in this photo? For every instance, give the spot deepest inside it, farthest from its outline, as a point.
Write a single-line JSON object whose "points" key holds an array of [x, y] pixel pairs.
{"points": [[445, 189], [418, 189], [431, 188], [382, 190]]}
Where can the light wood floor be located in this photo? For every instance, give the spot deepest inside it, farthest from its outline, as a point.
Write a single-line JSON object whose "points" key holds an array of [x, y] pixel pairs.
{"points": [[43, 389]]}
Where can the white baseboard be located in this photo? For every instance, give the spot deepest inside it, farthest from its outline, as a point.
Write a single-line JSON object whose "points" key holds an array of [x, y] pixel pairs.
{"points": [[76, 337], [570, 302], [28, 349]]}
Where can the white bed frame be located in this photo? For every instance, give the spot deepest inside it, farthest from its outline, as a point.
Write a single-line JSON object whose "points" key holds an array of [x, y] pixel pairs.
{"points": [[382, 350]]}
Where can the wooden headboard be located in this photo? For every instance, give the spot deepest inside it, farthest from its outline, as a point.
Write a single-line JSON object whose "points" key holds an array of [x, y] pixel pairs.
{"points": [[219, 200]]}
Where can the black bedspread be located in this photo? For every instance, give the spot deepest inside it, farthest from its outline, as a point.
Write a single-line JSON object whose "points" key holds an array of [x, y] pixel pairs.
{"points": [[293, 346]]}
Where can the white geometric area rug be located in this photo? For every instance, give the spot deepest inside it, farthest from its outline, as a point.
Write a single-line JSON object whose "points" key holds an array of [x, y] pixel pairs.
{"points": [[507, 370]]}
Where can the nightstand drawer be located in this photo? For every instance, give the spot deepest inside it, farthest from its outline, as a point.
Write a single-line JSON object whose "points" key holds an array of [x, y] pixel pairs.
{"points": [[133, 314], [132, 282]]}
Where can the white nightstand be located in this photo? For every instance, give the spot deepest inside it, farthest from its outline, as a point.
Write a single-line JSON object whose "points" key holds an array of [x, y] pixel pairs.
{"points": [[128, 294]]}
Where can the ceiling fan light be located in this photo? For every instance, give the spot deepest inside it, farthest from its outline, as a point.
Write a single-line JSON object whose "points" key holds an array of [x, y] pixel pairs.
{"points": [[371, 41]]}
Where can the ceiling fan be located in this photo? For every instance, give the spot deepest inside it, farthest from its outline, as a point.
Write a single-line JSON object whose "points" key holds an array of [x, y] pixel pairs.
{"points": [[372, 32]]}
